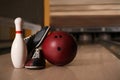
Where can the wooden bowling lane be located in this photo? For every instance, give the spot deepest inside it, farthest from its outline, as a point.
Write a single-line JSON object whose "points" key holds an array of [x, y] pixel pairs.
{"points": [[93, 62]]}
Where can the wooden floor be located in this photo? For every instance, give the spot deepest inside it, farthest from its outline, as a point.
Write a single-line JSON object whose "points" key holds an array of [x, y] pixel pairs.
{"points": [[93, 62]]}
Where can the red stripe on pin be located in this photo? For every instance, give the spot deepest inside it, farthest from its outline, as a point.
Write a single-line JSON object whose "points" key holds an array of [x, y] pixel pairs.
{"points": [[19, 32]]}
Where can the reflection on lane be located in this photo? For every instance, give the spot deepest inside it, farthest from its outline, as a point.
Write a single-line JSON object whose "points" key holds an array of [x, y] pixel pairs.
{"points": [[113, 46]]}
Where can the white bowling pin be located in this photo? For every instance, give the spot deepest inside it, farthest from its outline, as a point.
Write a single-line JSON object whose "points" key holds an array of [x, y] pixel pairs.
{"points": [[18, 48]]}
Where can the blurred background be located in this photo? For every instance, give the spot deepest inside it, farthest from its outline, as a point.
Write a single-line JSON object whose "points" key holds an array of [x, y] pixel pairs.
{"points": [[30, 10], [87, 20]]}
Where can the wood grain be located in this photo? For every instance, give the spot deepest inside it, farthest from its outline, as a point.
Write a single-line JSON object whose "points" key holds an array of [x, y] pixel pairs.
{"points": [[92, 62], [84, 13], [85, 21]]}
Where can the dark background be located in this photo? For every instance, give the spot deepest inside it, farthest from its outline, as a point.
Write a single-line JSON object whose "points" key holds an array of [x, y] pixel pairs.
{"points": [[30, 10]]}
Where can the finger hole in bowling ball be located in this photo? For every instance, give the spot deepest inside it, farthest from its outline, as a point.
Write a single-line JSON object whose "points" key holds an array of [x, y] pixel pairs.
{"points": [[56, 36], [60, 36], [59, 48]]}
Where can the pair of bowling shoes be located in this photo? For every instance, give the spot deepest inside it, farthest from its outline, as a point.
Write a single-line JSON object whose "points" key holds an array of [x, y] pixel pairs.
{"points": [[35, 59]]}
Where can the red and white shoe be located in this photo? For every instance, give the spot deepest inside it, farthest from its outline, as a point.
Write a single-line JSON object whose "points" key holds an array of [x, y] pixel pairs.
{"points": [[37, 61]]}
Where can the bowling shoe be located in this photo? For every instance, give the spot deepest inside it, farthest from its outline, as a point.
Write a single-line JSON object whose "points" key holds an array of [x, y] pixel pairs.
{"points": [[37, 61], [35, 40]]}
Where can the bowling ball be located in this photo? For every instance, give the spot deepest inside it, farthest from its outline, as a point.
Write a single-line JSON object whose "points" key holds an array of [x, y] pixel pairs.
{"points": [[59, 48]]}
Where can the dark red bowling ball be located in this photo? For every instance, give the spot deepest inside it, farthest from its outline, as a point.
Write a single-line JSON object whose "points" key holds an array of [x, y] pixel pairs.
{"points": [[59, 48]]}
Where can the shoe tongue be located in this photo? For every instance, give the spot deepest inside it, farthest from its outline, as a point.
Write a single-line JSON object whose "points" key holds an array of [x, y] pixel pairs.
{"points": [[39, 37]]}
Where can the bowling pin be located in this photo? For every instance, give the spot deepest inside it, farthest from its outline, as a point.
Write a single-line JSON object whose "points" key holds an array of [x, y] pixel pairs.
{"points": [[18, 48]]}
